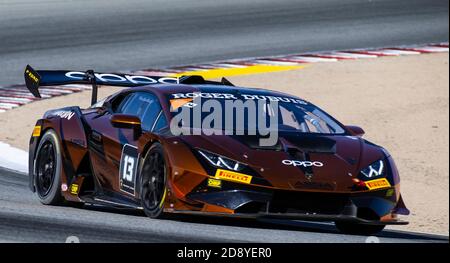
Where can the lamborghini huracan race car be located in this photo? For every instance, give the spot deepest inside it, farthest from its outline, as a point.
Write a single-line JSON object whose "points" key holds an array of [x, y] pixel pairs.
{"points": [[122, 152]]}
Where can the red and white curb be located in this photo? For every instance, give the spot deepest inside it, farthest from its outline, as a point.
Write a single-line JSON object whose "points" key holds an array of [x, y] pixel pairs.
{"points": [[15, 96]]}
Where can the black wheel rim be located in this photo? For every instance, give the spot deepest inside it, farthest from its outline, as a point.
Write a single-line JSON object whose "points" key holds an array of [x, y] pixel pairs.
{"points": [[46, 168], [153, 183]]}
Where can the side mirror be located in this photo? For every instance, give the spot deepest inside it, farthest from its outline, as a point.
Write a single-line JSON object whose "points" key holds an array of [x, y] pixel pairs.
{"points": [[355, 130], [125, 121]]}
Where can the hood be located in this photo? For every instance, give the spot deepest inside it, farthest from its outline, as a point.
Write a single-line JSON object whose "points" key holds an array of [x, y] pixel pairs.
{"points": [[297, 161]]}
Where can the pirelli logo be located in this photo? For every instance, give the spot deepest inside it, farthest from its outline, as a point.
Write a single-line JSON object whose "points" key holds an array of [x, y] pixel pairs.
{"points": [[377, 184], [233, 176]]}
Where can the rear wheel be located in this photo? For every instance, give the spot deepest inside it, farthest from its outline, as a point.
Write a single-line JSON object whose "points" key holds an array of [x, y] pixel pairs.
{"points": [[358, 229], [153, 182], [47, 169]]}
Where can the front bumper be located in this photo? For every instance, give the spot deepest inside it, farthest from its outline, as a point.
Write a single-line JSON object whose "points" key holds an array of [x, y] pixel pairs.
{"points": [[299, 216], [374, 207]]}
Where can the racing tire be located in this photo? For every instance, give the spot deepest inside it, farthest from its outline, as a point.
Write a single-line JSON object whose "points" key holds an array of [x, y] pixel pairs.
{"points": [[358, 229], [47, 169], [153, 182]]}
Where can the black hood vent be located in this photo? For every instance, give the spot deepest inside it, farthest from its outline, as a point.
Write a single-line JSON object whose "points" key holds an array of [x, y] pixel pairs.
{"points": [[253, 142], [287, 141], [310, 143]]}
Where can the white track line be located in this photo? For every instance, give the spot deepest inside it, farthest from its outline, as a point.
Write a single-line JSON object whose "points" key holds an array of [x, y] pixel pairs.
{"points": [[78, 86], [16, 99], [13, 158], [274, 62], [8, 106], [353, 55], [229, 65], [431, 49], [395, 52], [307, 59]]}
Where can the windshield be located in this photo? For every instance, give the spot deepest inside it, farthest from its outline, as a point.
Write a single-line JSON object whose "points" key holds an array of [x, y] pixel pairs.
{"points": [[245, 112]]}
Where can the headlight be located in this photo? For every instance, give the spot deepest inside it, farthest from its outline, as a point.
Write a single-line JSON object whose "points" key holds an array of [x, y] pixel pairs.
{"points": [[220, 161], [374, 170]]}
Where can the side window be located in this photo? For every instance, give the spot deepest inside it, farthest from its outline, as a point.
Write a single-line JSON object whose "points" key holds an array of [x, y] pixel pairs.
{"points": [[161, 123], [288, 118], [145, 106], [118, 103]]}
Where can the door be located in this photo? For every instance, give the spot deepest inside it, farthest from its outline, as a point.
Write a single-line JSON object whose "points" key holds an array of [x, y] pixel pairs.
{"points": [[121, 156]]}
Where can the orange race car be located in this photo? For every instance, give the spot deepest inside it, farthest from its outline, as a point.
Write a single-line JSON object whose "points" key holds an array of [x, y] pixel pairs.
{"points": [[126, 151]]}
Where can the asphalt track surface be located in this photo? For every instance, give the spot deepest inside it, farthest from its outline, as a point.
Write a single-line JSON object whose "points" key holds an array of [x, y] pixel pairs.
{"points": [[137, 34], [111, 35], [24, 219]]}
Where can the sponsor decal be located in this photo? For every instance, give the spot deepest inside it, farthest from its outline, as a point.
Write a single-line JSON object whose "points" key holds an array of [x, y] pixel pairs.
{"points": [[273, 98], [115, 78], [128, 169], [190, 105], [176, 103], [37, 131], [32, 76], [228, 96], [63, 114], [214, 183], [233, 176], [204, 95], [302, 163], [74, 188], [377, 184]]}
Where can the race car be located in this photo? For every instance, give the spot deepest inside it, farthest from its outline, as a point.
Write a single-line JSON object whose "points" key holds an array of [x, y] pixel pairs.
{"points": [[126, 151]]}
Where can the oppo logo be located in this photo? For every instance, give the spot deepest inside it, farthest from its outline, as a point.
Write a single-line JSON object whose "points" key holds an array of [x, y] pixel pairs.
{"points": [[107, 77], [302, 163]]}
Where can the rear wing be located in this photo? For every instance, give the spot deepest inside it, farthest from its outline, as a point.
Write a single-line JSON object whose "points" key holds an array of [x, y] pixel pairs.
{"points": [[37, 78]]}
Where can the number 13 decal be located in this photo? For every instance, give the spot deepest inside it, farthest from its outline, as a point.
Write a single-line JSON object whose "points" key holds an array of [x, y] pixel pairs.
{"points": [[128, 169]]}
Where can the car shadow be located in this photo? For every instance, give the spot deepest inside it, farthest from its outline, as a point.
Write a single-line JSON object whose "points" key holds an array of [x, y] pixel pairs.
{"points": [[275, 224], [387, 233]]}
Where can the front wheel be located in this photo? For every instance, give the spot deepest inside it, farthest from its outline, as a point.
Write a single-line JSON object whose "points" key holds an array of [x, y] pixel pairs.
{"points": [[47, 169], [358, 229], [153, 181]]}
